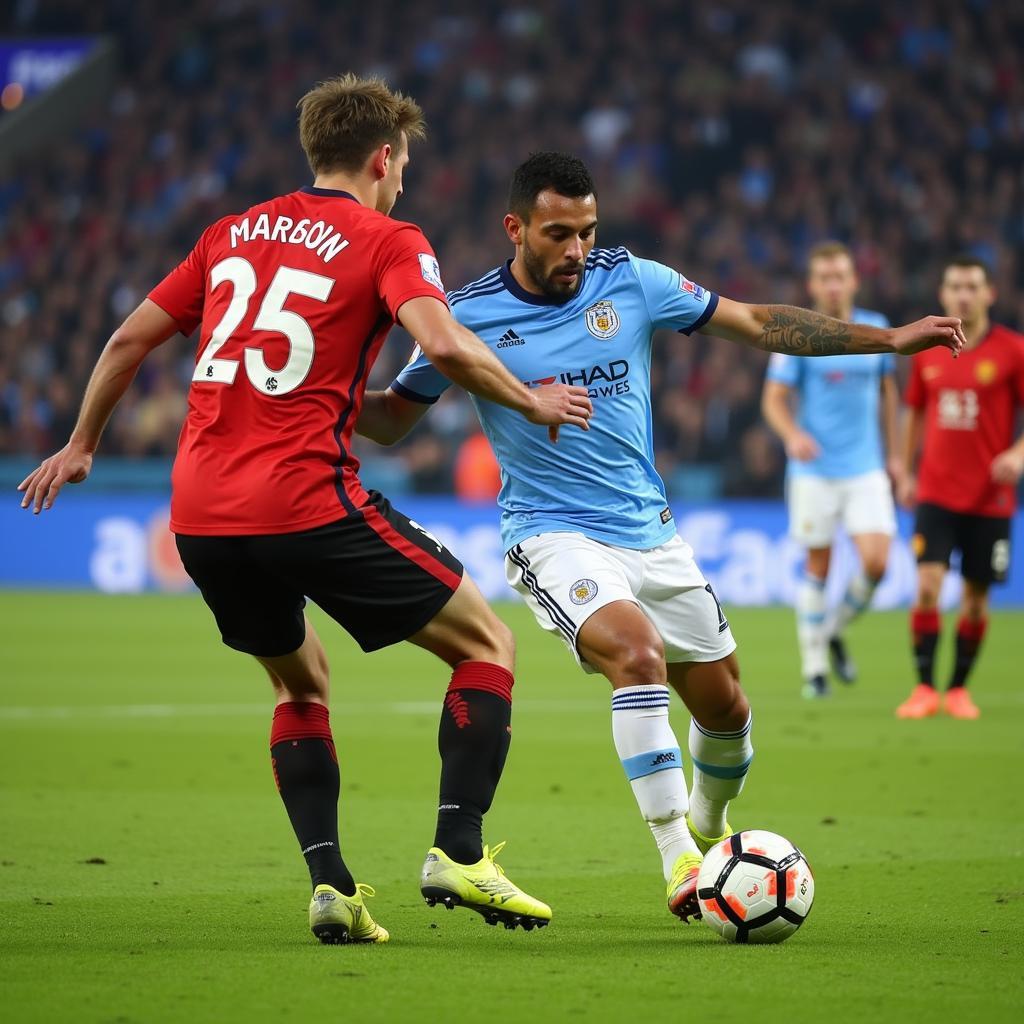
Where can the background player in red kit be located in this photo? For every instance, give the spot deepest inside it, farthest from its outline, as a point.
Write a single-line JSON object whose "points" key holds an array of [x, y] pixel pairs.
{"points": [[965, 487], [295, 298]]}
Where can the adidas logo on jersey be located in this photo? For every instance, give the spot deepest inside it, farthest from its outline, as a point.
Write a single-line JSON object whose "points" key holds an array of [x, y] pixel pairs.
{"points": [[509, 339]]}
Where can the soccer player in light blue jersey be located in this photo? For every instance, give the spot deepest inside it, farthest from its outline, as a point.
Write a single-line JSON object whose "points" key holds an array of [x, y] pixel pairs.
{"points": [[589, 536], [837, 465]]}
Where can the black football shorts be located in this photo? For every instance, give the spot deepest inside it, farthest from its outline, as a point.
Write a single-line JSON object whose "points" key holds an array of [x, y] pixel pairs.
{"points": [[983, 542], [379, 576]]}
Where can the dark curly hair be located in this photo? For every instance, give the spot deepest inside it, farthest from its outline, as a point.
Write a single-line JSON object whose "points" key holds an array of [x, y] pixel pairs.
{"points": [[561, 172]]}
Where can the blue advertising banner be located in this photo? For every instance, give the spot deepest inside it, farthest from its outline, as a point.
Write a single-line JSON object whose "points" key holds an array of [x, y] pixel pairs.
{"points": [[121, 544], [39, 64]]}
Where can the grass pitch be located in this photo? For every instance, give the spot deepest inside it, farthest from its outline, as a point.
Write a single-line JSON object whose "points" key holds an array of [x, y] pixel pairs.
{"points": [[149, 874]]}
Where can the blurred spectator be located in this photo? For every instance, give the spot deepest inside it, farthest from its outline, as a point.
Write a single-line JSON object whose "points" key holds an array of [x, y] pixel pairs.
{"points": [[477, 476], [726, 141]]}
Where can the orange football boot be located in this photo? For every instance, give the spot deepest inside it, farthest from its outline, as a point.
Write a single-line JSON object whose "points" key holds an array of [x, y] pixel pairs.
{"points": [[957, 703], [922, 703]]}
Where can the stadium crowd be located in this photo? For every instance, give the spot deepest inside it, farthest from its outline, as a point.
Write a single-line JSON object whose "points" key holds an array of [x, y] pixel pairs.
{"points": [[726, 137]]}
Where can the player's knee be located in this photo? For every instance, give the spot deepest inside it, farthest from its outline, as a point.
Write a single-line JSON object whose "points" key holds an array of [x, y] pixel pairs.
{"points": [[874, 567], [495, 644], [724, 706], [974, 604], [730, 711], [818, 560], [929, 587], [640, 662], [504, 643]]}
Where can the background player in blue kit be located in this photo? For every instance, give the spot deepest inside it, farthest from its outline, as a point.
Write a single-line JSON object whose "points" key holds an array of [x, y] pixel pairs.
{"points": [[836, 472], [589, 537]]}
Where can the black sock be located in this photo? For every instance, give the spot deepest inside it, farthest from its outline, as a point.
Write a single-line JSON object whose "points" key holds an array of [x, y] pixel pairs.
{"points": [[473, 740], [969, 635], [924, 627], [306, 771]]}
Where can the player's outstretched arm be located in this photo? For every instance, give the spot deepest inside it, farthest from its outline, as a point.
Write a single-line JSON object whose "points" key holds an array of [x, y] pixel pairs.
{"points": [[802, 332], [464, 359], [145, 328], [386, 417]]}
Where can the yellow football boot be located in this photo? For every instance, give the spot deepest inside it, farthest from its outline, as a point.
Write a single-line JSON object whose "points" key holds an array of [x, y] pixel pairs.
{"points": [[335, 918], [682, 887], [481, 887], [704, 843]]}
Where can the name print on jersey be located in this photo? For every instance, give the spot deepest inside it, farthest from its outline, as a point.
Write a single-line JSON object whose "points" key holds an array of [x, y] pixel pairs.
{"points": [[320, 236], [614, 375]]}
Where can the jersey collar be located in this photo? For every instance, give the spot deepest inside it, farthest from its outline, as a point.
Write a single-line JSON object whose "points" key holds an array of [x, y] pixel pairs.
{"points": [[312, 190], [516, 289]]}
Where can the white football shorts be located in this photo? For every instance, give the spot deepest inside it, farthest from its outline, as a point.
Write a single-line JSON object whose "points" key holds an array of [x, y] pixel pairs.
{"points": [[818, 504], [565, 577]]}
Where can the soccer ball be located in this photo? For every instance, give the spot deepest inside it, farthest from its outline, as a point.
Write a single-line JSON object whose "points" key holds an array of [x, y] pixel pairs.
{"points": [[755, 887]]}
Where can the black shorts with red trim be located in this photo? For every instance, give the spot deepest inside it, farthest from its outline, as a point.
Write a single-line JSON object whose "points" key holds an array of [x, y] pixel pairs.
{"points": [[377, 574], [983, 542]]}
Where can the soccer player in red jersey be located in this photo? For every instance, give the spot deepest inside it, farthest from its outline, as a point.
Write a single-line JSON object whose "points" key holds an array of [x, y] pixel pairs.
{"points": [[294, 298], [966, 482]]}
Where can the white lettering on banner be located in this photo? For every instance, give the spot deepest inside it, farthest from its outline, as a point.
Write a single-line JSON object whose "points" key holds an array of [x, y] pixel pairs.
{"points": [[746, 566], [118, 561]]}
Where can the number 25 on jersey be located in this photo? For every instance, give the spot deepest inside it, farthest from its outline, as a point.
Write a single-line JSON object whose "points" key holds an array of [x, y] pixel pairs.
{"points": [[271, 317]]}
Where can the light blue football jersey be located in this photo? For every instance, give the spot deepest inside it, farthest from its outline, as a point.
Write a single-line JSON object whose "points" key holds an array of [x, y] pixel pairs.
{"points": [[838, 405], [602, 482]]}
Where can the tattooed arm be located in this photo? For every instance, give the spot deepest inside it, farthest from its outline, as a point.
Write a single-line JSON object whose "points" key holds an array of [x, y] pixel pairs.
{"points": [[801, 332]]}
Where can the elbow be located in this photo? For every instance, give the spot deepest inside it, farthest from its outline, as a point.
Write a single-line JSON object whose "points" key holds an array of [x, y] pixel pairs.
{"points": [[444, 351], [127, 345]]}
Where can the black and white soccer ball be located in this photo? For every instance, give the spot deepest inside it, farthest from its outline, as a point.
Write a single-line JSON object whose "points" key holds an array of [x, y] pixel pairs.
{"points": [[755, 886]]}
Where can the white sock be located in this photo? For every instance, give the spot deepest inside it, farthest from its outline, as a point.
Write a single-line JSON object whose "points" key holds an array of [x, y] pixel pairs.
{"points": [[856, 600], [650, 754], [810, 626], [720, 764]]}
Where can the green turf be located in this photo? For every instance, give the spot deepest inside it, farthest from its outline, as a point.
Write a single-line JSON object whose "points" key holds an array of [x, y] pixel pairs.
{"points": [[129, 734]]}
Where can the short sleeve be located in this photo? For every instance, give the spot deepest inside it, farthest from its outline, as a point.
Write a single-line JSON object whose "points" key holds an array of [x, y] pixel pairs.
{"points": [[888, 365], [673, 300], [182, 292], [420, 380], [784, 369], [406, 268], [915, 395]]}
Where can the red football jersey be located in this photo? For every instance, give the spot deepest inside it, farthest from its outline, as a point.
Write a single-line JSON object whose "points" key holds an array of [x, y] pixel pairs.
{"points": [[295, 298], [970, 406]]}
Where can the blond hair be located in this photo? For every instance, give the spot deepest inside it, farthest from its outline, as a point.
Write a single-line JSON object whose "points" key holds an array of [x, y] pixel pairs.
{"points": [[826, 250], [343, 120]]}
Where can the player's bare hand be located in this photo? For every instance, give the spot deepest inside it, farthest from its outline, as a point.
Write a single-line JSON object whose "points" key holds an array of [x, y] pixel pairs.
{"points": [[906, 490], [1008, 467], [802, 447], [930, 332], [558, 404], [40, 488]]}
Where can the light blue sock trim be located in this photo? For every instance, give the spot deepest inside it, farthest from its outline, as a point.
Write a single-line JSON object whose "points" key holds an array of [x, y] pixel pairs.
{"points": [[652, 761], [814, 581], [719, 771]]}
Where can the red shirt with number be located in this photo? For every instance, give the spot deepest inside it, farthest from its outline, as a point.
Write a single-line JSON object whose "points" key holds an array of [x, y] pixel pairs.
{"points": [[970, 408], [295, 298]]}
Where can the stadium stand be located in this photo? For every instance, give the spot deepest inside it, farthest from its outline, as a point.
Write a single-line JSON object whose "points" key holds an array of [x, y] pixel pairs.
{"points": [[726, 139]]}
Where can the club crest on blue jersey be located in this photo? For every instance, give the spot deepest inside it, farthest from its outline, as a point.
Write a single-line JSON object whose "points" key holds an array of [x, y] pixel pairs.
{"points": [[602, 320], [582, 591]]}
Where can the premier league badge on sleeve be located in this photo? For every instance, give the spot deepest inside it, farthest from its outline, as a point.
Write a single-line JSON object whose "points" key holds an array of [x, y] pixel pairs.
{"points": [[430, 270], [602, 320]]}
